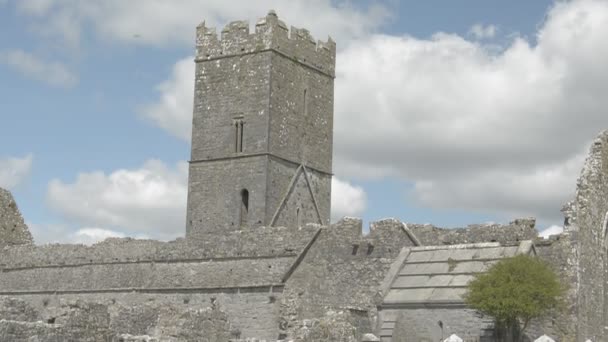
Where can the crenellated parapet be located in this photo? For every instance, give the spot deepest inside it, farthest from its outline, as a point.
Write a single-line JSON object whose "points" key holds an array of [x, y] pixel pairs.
{"points": [[270, 34]]}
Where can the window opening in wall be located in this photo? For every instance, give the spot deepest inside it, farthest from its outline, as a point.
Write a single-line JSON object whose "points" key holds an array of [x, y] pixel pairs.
{"points": [[244, 207], [238, 134], [241, 136], [305, 101], [605, 232], [298, 219]]}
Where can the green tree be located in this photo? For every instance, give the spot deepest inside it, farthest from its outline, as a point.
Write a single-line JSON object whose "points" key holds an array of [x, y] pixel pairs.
{"points": [[514, 291]]}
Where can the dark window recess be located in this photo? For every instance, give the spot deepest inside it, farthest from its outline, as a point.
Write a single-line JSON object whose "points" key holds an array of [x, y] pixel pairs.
{"points": [[298, 218], [244, 207], [238, 135]]}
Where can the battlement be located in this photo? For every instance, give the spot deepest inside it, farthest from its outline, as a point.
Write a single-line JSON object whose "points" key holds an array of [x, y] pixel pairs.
{"points": [[270, 34]]}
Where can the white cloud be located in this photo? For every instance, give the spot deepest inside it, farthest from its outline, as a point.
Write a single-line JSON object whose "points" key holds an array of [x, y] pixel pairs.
{"points": [[89, 236], [552, 230], [14, 170], [471, 128], [173, 111], [480, 31], [538, 192], [346, 199], [62, 233], [148, 201], [53, 73], [159, 22]]}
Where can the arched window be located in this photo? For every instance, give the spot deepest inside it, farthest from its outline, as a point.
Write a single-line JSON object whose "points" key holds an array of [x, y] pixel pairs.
{"points": [[244, 207]]}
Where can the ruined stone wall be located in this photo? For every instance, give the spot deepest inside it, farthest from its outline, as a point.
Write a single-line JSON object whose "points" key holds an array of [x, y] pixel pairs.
{"points": [[559, 252], [515, 231], [13, 230], [586, 214], [342, 269], [144, 276], [77, 320], [260, 242], [240, 271], [422, 324]]}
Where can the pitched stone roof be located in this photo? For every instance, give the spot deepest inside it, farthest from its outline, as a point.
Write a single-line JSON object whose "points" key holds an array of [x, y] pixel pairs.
{"points": [[440, 274]]}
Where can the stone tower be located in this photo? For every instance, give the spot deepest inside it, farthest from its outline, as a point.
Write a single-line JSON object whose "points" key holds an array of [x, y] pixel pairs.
{"points": [[262, 128]]}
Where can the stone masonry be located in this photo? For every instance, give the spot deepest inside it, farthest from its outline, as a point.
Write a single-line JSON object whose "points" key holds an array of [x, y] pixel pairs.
{"points": [[13, 230], [262, 128], [260, 260]]}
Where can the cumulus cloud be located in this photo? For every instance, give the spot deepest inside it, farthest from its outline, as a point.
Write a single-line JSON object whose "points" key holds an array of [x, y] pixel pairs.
{"points": [[149, 201], [472, 128], [14, 170], [173, 111], [34, 67], [346, 199], [89, 236], [159, 22], [480, 31], [63, 233], [552, 230]]}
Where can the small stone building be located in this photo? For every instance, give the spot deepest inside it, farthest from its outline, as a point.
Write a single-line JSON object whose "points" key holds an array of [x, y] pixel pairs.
{"points": [[423, 291]]}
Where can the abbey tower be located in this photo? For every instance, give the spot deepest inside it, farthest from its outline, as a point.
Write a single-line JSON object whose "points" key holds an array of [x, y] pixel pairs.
{"points": [[262, 128]]}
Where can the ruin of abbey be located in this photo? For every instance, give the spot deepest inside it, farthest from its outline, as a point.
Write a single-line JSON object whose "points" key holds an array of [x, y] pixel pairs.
{"points": [[260, 259]]}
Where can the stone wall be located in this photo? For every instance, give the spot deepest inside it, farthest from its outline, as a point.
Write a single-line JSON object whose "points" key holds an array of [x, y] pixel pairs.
{"points": [[270, 34], [145, 276], [13, 230], [422, 324], [295, 205], [260, 98], [587, 214], [342, 270], [77, 320], [215, 195], [515, 231], [559, 252], [240, 271]]}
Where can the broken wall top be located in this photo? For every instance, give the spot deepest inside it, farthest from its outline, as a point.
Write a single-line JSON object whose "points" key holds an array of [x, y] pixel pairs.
{"points": [[13, 230]]}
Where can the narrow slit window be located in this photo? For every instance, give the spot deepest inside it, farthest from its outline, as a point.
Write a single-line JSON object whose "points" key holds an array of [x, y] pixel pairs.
{"points": [[244, 207], [236, 136], [298, 218], [241, 136], [305, 99]]}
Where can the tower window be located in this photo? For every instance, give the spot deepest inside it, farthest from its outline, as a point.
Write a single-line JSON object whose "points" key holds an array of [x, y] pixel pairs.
{"points": [[244, 207], [298, 218], [305, 100], [238, 134], [241, 137]]}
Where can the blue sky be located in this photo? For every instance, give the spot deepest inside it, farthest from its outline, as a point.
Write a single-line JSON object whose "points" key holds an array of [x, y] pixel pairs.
{"points": [[446, 112]]}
